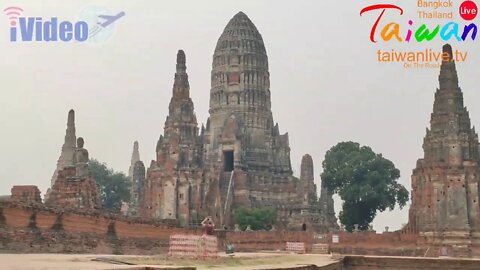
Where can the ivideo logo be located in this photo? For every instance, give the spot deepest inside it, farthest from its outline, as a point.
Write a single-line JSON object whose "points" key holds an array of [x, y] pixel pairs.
{"points": [[24, 28]]}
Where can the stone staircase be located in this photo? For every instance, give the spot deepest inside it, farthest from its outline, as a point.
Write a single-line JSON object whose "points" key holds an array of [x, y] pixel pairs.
{"points": [[224, 180], [226, 193]]}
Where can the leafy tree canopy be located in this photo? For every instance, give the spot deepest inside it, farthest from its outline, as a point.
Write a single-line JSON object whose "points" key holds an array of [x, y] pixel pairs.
{"points": [[113, 187], [257, 218], [364, 180]]}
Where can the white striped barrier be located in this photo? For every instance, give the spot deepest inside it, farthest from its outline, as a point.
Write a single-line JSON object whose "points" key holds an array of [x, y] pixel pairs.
{"points": [[193, 246]]}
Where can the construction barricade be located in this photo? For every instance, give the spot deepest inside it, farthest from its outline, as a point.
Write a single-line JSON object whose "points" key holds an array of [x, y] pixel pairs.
{"points": [[193, 246]]}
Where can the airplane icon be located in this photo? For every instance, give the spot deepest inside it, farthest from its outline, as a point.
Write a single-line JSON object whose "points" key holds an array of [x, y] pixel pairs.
{"points": [[110, 19]]}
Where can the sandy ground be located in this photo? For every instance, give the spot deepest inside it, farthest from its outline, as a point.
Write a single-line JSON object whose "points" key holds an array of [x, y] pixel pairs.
{"points": [[244, 261]]}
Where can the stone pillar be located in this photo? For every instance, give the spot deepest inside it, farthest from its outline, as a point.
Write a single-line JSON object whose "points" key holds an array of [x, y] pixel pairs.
{"points": [[306, 177], [327, 209], [134, 159], [137, 192]]}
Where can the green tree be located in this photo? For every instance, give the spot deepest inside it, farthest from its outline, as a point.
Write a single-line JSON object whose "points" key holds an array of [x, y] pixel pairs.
{"points": [[113, 187], [257, 218], [364, 180]]}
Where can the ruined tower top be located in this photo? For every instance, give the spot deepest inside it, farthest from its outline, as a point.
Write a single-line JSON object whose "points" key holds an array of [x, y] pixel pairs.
{"points": [[448, 73], [448, 49], [181, 87], [181, 120], [240, 67], [450, 137], [306, 168], [135, 158], [181, 61], [71, 119], [241, 29], [68, 147], [307, 178], [181, 105], [240, 60], [70, 137]]}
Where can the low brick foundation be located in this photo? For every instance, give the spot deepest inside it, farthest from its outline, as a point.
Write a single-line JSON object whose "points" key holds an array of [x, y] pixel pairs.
{"points": [[25, 229]]}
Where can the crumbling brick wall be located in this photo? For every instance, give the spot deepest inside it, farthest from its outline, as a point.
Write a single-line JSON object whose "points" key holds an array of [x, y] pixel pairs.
{"points": [[35, 228], [274, 240], [29, 229]]}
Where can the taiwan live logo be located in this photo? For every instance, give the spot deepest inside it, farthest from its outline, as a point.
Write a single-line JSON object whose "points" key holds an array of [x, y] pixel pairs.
{"points": [[468, 11], [37, 29]]}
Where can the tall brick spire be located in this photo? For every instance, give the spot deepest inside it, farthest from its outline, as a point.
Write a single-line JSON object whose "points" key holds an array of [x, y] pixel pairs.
{"points": [[134, 159], [169, 190], [68, 147], [181, 125], [445, 183], [181, 118], [450, 137]]}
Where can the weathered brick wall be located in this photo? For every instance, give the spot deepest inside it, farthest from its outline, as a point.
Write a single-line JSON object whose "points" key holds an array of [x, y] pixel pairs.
{"points": [[26, 194], [45, 220], [77, 223], [17, 217], [386, 238], [39, 229], [34, 229], [371, 243]]}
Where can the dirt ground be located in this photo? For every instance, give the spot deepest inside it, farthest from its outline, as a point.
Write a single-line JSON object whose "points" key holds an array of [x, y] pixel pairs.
{"points": [[244, 261]]}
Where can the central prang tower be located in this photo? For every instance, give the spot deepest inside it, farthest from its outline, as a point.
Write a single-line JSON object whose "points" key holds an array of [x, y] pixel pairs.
{"points": [[240, 104], [247, 159]]}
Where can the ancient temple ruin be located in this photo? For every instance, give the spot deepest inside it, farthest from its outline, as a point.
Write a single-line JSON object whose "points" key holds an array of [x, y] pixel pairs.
{"points": [[74, 185], [240, 158], [68, 148], [172, 183], [445, 199], [27, 194], [308, 211]]}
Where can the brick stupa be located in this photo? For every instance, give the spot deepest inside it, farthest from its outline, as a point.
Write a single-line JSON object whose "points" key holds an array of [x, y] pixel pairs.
{"points": [[445, 182]]}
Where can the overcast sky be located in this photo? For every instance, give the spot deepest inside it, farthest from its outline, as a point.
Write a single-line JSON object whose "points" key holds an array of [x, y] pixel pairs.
{"points": [[326, 83]]}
